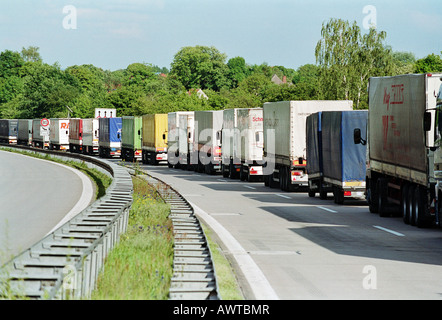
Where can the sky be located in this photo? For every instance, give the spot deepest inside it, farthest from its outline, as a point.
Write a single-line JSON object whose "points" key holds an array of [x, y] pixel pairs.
{"points": [[112, 34]]}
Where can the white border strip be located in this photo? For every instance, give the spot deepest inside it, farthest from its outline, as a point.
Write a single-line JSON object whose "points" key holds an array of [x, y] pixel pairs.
{"points": [[253, 274], [390, 231]]}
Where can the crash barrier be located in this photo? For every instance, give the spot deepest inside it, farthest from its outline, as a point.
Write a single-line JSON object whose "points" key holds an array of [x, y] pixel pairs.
{"points": [[66, 263], [194, 276]]}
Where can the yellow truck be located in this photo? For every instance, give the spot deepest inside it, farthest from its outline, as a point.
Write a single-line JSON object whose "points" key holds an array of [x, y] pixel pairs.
{"points": [[154, 138]]}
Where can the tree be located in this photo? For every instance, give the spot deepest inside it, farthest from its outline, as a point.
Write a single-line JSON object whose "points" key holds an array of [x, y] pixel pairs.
{"points": [[47, 90], [200, 67], [31, 54], [347, 59], [238, 70], [431, 63], [10, 63]]}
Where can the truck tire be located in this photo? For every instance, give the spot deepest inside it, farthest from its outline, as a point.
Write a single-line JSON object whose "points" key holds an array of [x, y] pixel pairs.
{"points": [[272, 183], [382, 197], [405, 206], [420, 212], [322, 194], [338, 195], [373, 201]]}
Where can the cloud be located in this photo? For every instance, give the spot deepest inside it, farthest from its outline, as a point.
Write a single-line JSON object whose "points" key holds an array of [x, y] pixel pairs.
{"points": [[426, 21]]}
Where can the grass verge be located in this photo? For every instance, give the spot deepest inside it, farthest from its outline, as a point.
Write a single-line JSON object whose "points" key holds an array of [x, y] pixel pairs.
{"points": [[140, 266], [225, 275]]}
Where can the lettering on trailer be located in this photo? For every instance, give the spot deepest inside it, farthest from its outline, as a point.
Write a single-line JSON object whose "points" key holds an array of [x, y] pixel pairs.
{"points": [[393, 97], [257, 119], [64, 125]]}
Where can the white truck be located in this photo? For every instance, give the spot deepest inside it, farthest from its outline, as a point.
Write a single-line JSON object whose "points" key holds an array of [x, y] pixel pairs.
{"points": [[207, 142], [40, 133], [230, 145], [285, 140], [242, 143], [90, 136], [404, 158], [186, 139], [174, 136], [59, 134]]}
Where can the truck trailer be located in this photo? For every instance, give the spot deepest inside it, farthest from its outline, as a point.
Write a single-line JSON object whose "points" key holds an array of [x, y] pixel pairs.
{"points": [[154, 147], [40, 133], [174, 136], [207, 143], [8, 131], [131, 138], [230, 144], [109, 137], [251, 143], [90, 136], [75, 135], [285, 140], [186, 139], [343, 161], [59, 134], [24, 134], [404, 158]]}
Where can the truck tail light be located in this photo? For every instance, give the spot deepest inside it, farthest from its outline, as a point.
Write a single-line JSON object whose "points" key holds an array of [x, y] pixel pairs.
{"points": [[347, 193], [217, 151], [297, 173]]}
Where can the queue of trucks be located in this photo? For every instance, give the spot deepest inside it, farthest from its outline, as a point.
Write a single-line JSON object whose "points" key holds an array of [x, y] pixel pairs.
{"points": [[389, 154]]}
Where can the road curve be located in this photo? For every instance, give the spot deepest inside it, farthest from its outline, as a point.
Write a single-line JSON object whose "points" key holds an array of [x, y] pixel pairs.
{"points": [[36, 196]]}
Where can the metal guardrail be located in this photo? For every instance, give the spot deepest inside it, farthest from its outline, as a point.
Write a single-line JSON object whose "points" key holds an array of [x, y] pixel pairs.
{"points": [[65, 264], [194, 275]]}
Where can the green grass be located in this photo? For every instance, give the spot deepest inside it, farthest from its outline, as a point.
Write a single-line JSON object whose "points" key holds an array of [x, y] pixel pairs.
{"points": [[225, 275], [140, 267]]}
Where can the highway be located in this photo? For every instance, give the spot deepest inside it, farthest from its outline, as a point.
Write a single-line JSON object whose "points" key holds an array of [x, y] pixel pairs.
{"points": [[289, 246], [36, 197]]}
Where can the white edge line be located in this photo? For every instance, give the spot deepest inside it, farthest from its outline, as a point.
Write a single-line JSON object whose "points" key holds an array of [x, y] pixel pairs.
{"points": [[282, 196], [253, 188], [327, 209], [253, 274], [390, 231]]}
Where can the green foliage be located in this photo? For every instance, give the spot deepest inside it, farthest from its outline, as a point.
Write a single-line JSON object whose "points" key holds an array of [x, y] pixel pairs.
{"points": [[431, 63], [201, 67], [346, 59]]}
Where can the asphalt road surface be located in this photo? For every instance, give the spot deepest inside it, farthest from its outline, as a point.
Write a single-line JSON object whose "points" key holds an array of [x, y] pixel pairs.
{"points": [[35, 196], [289, 246]]}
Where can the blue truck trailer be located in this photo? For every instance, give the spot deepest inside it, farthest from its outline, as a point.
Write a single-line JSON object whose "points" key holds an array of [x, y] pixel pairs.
{"points": [[109, 138], [335, 163]]}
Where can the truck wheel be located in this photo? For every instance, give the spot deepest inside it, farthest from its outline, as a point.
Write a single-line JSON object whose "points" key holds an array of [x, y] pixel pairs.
{"points": [[382, 197], [272, 183], [338, 195], [420, 212], [372, 193], [322, 194], [405, 206], [266, 180]]}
